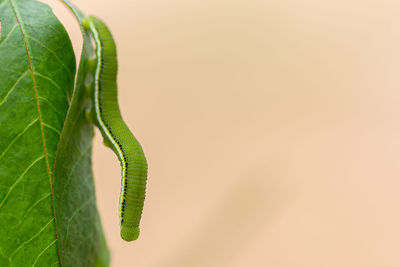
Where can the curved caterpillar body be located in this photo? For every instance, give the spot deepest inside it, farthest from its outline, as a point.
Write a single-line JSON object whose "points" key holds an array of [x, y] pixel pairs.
{"points": [[115, 132]]}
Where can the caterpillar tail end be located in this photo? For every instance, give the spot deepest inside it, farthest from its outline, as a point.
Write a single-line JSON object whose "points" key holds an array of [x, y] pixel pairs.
{"points": [[129, 233]]}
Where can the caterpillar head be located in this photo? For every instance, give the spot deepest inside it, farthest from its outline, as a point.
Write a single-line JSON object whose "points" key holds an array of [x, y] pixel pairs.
{"points": [[129, 232]]}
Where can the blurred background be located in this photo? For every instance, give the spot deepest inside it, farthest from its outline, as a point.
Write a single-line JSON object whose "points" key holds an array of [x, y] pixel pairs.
{"points": [[271, 128]]}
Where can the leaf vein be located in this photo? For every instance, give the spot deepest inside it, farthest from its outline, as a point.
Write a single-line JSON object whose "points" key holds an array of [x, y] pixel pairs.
{"points": [[52, 128], [73, 215], [51, 105], [51, 51], [31, 207], [13, 87], [34, 263], [20, 178], [2, 254], [18, 136], [29, 240], [74, 166], [9, 33], [50, 80]]}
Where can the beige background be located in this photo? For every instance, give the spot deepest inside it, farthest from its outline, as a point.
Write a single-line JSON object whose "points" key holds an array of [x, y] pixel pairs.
{"points": [[272, 131]]}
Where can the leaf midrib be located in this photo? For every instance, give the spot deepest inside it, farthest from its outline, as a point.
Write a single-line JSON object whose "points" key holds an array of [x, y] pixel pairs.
{"points": [[18, 20]]}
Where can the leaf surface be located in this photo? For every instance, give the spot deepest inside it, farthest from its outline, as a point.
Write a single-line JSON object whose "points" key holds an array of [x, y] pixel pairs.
{"points": [[37, 69], [81, 237], [48, 213]]}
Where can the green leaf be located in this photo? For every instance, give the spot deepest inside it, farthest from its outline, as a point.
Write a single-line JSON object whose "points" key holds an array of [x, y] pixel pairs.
{"points": [[81, 239], [48, 214]]}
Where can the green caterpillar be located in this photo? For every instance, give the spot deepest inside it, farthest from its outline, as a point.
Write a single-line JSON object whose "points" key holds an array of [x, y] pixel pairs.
{"points": [[107, 117]]}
